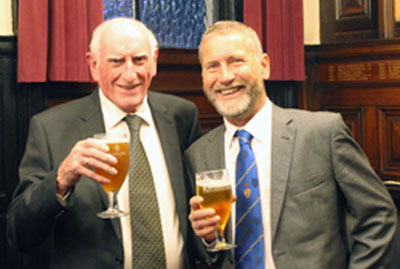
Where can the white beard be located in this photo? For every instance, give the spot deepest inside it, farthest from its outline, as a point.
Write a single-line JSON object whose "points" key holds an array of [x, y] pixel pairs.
{"points": [[237, 108], [232, 108]]}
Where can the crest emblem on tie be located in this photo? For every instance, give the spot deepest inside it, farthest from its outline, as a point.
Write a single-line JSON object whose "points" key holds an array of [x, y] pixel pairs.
{"points": [[247, 191]]}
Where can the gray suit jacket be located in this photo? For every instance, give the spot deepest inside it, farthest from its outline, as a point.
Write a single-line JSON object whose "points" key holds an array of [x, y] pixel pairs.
{"points": [[78, 238], [320, 179]]}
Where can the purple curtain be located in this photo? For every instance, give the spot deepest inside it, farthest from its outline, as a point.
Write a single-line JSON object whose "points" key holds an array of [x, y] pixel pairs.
{"points": [[53, 37], [279, 24]]}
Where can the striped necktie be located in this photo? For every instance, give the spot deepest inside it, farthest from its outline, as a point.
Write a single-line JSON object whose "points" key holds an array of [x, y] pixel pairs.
{"points": [[147, 238], [249, 228]]}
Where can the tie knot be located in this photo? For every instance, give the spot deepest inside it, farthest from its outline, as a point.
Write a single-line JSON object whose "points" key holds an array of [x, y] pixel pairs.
{"points": [[133, 122], [244, 136]]}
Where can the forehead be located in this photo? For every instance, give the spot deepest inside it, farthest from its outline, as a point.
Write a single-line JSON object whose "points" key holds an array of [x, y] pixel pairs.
{"points": [[219, 45], [125, 40]]}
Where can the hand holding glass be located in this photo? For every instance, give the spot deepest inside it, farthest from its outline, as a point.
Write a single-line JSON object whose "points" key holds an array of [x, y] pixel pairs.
{"points": [[216, 189], [119, 148]]}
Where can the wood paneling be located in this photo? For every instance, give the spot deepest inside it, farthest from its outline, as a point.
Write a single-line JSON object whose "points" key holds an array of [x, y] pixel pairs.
{"points": [[354, 118], [355, 15], [362, 82], [344, 20], [389, 140], [8, 138]]}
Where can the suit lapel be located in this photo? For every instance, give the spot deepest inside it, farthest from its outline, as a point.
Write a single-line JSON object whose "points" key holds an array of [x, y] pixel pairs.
{"points": [[282, 145], [167, 132], [91, 121], [216, 148]]}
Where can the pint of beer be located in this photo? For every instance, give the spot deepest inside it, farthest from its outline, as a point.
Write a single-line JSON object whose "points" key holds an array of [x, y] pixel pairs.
{"points": [[119, 148], [216, 191]]}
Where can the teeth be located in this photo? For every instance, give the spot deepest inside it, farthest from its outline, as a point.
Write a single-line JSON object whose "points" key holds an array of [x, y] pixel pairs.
{"points": [[229, 91], [127, 87]]}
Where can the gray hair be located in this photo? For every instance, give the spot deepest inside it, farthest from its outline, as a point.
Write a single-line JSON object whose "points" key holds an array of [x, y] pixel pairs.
{"points": [[228, 27], [100, 29]]}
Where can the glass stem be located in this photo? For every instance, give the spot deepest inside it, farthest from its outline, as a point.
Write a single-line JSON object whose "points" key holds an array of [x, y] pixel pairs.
{"points": [[220, 236], [113, 203]]}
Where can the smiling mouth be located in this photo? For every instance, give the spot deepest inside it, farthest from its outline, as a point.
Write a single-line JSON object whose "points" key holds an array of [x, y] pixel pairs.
{"points": [[230, 90], [128, 87]]}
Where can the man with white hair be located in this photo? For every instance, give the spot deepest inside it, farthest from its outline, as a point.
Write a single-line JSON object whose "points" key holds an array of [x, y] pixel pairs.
{"points": [[59, 193]]}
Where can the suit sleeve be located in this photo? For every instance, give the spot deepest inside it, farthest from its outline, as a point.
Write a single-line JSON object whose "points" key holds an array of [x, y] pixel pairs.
{"points": [[369, 203], [34, 208]]}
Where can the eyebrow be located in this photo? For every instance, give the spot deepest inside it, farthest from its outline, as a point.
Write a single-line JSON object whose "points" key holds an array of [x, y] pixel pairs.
{"points": [[112, 57]]}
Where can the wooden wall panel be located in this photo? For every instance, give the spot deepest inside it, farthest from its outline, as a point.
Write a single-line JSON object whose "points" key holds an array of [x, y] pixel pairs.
{"points": [[362, 82], [389, 141], [354, 14], [179, 73], [344, 20], [353, 117], [9, 156]]}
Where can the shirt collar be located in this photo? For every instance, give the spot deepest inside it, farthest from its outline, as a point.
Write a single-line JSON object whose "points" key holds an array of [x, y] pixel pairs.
{"points": [[256, 125], [113, 115]]}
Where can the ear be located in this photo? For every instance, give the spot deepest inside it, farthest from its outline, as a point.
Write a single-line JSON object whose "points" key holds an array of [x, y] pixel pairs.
{"points": [[91, 60], [155, 58], [265, 66]]}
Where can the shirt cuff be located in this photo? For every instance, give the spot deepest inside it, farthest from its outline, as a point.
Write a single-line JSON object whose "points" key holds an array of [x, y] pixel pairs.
{"points": [[63, 198], [209, 245]]}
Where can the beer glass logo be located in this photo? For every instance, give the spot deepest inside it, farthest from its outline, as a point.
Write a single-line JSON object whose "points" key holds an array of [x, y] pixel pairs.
{"points": [[117, 148], [214, 188]]}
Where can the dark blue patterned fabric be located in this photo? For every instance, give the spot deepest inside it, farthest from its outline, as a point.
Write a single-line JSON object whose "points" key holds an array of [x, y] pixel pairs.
{"points": [[249, 252], [175, 23], [117, 8]]}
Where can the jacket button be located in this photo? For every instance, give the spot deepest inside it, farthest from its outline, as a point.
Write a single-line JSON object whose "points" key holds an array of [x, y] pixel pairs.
{"points": [[119, 260]]}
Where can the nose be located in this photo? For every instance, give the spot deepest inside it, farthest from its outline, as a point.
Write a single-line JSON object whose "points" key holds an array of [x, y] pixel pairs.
{"points": [[226, 75], [129, 72]]}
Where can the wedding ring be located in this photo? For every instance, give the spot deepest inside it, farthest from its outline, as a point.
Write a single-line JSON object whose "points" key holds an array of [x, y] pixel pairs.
{"points": [[87, 162]]}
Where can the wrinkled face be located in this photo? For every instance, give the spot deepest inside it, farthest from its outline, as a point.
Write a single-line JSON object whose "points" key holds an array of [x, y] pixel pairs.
{"points": [[233, 76], [124, 67]]}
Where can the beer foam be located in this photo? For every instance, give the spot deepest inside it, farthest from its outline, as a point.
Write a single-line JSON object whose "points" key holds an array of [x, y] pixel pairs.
{"points": [[113, 140], [214, 185]]}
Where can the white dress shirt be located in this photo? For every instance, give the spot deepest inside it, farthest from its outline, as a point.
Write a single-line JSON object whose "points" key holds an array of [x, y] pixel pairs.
{"points": [[260, 127], [173, 242]]}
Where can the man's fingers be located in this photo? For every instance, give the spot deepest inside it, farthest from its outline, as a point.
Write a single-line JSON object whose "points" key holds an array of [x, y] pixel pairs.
{"points": [[201, 214], [94, 163], [94, 176], [206, 228], [207, 233], [206, 222], [195, 202]]}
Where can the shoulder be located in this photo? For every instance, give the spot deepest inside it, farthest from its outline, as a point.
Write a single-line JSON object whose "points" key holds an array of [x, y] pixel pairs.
{"points": [[70, 110], [309, 126], [207, 152], [304, 119], [213, 137]]}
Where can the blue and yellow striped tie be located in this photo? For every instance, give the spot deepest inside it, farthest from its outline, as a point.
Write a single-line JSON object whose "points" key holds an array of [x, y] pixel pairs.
{"points": [[147, 238], [249, 227]]}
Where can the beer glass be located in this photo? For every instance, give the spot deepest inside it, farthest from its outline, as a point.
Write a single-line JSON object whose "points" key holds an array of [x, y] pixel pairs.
{"points": [[119, 148], [216, 189]]}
